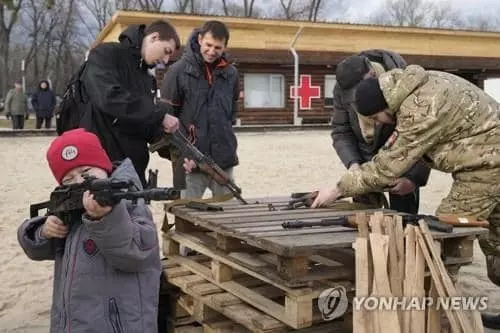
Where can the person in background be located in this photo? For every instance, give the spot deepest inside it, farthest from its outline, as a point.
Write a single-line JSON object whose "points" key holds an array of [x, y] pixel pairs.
{"points": [[16, 106], [43, 102]]}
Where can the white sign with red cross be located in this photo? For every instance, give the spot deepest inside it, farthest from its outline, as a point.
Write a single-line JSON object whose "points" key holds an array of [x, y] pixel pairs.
{"points": [[305, 92]]}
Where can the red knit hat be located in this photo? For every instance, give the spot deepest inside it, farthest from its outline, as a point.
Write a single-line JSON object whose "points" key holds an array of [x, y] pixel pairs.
{"points": [[76, 148]]}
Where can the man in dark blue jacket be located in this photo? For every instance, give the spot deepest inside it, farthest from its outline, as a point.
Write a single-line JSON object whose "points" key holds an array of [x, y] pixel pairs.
{"points": [[44, 101], [202, 89], [357, 139]]}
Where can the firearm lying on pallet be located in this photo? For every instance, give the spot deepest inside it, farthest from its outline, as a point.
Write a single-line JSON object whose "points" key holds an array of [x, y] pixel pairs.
{"points": [[205, 163], [438, 223], [66, 200]]}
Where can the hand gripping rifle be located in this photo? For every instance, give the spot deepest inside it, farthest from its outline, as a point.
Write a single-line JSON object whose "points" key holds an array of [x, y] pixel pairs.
{"points": [[67, 200], [205, 163]]}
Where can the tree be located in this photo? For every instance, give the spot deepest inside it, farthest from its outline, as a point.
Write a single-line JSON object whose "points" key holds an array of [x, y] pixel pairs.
{"points": [[9, 14]]}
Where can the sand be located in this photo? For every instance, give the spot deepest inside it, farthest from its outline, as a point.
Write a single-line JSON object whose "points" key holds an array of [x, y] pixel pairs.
{"points": [[276, 163]]}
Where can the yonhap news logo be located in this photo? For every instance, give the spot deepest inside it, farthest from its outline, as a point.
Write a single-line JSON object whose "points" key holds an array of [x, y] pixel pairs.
{"points": [[333, 303]]}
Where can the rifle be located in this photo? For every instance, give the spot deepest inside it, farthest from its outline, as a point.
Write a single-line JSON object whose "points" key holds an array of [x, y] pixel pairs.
{"points": [[433, 222], [205, 163], [66, 200]]}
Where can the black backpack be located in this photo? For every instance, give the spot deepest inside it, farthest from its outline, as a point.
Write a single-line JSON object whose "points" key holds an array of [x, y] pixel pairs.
{"points": [[71, 109]]}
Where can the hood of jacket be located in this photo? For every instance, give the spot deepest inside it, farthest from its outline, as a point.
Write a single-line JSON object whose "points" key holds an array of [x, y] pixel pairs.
{"points": [[125, 171], [398, 84], [40, 85]]}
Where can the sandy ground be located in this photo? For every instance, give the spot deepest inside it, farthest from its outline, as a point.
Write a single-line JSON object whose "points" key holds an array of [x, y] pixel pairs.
{"points": [[271, 164]]}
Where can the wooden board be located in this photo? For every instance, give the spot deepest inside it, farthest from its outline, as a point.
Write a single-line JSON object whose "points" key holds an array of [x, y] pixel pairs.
{"points": [[258, 226]]}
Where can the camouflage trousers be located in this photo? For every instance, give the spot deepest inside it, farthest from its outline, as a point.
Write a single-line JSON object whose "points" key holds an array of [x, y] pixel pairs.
{"points": [[477, 194]]}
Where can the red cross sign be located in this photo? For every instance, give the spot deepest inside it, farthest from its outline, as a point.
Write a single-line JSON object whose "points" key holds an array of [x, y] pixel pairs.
{"points": [[305, 91]]}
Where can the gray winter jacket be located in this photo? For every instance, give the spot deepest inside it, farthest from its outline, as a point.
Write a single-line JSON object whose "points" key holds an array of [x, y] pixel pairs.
{"points": [[106, 278]]}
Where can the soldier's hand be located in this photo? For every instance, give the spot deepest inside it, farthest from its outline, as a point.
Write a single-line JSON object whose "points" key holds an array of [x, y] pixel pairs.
{"points": [[326, 196], [54, 228], [189, 165], [92, 207], [402, 186], [170, 123]]}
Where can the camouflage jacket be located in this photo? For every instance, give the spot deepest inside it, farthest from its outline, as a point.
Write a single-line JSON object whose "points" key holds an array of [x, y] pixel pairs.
{"points": [[447, 121]]}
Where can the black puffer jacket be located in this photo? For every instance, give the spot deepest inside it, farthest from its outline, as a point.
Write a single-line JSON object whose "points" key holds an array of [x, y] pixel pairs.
{"points": [[347, 136], [120, 91], [206, 107]]}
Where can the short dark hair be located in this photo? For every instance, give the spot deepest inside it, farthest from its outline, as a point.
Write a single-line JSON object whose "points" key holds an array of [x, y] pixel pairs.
{"points": [[165, 30], [218, 30]]}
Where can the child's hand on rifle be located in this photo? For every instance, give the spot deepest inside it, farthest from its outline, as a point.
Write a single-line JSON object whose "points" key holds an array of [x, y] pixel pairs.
{"points": [[92, 207], [189, 165], [54, 228]]}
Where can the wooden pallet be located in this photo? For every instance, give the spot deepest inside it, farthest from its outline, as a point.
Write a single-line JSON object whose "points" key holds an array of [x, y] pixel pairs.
{"points": [[220, 311], [253, 236], [296, 307]]}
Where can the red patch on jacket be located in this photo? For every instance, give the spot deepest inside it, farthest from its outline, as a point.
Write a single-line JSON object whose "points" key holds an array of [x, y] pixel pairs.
{"points": [[390, 141], [90, 247]]}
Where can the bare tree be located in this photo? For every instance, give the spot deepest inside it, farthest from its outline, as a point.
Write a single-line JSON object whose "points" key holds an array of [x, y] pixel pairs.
{"points": [[181, 5], [151, 5], [8, 18], [245, 8]]}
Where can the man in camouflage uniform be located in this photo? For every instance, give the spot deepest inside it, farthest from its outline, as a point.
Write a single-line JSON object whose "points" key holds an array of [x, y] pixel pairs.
{"points": [[451, 124]]}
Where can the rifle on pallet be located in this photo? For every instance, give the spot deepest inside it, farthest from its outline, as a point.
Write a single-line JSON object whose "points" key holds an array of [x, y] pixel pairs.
{"points": [[350, 222], [205, 163], [66, 201]]}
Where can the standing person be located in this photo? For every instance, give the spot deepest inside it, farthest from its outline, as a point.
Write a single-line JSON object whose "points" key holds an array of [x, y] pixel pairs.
{"points": [[106, 259], [16, 106], [452, 124], [44, 101], [357, 138], [120, 92], [202, 89]]}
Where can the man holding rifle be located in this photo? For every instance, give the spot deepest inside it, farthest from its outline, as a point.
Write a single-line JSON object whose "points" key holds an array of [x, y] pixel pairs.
{"points": [[202, 89], [449, 123]]}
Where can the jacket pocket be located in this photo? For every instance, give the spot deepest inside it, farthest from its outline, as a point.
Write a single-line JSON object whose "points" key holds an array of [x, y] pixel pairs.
{"points": [[114, 317]]}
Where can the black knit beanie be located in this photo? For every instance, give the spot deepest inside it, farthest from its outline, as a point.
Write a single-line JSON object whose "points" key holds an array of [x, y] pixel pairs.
{"points": [[351, 71], [369, 97]]}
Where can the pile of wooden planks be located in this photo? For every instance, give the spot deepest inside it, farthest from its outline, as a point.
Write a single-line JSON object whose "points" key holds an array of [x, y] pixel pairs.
{"points": [[405, 265]]}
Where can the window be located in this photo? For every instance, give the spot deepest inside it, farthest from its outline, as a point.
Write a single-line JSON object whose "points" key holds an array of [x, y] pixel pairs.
{"points": [[264, 91], [330, 82]]}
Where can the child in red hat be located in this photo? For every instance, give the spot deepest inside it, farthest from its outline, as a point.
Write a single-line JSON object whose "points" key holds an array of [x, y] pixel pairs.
{"points": [[107, 269]]}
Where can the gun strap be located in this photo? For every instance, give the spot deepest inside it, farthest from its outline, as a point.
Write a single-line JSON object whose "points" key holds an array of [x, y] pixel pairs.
{"points": [[180, 202]]}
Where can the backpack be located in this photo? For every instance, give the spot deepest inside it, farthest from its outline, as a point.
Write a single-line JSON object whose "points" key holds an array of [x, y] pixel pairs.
{"points": [[71, 109]]}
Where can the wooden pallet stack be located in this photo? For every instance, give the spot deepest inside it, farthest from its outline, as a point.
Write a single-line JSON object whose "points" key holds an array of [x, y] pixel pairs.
{"points": [[249, 274], [400, 264]]}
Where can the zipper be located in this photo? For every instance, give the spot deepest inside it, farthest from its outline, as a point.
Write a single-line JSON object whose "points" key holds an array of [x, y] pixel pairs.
{"points": [[114, 316], [67, 252], [73, 267]]}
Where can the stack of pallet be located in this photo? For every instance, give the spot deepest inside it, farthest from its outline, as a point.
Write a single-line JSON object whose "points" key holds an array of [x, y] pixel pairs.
{"points": [[404, 265], [252, 274]]}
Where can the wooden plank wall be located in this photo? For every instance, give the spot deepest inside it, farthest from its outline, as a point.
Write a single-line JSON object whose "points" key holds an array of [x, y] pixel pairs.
{"points": [[267, 116]]}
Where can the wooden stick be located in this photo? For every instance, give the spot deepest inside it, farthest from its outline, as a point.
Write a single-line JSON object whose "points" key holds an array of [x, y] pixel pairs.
{"points": [[447, 283]]}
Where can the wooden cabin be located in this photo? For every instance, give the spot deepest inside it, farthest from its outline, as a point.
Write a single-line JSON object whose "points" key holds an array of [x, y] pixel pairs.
{"points": [[260, 50]]}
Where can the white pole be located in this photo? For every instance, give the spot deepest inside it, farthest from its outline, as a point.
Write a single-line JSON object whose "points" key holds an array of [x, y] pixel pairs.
{"points": [[24, 77], [296, 120]]}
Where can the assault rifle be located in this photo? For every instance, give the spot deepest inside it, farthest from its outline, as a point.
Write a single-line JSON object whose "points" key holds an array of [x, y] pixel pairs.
{"points": [[433, 222], [205, 163], [66, 200]]}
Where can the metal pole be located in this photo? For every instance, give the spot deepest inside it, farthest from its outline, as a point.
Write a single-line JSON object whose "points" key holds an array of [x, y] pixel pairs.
{"points": [[296, 120]]}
